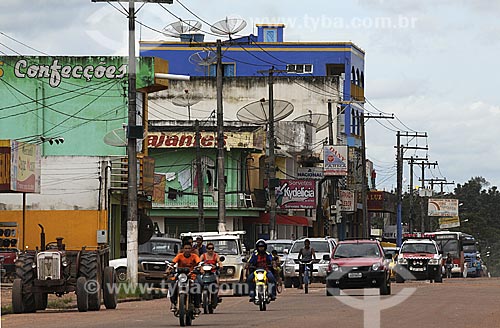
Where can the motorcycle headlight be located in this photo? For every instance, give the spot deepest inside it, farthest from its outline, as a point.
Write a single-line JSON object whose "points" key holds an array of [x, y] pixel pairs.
{"points": [[182, 277], [434, 262], [207, 268], [376, 266], [402, 260]]}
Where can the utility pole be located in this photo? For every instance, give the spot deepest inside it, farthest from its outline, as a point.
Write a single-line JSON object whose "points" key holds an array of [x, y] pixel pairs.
{"points": [[412, 161], [221, 181], [423, 165], [132, 136], [399, 189], [199, 178]]}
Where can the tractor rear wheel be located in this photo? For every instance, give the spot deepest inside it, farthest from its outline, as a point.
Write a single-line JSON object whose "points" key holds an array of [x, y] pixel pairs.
{"points": [[26, 274], [90, 269]]}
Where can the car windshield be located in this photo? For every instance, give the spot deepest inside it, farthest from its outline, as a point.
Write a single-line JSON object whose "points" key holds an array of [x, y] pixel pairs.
{"points": [[225, 247], [356, 250], [160, 247], [470, 248], [319, 246], [418, 248], [279, 247]]}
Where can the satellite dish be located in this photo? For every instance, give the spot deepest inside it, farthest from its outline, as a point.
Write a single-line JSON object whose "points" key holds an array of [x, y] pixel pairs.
{"points": [[228, 26], [176, 29], [203, 58], [258, 112], [116, 138], [319, 121], [187, 100]]}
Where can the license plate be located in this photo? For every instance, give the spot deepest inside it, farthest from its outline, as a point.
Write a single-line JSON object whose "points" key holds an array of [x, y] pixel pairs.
{"points": [[417, 269], [355, 275]]}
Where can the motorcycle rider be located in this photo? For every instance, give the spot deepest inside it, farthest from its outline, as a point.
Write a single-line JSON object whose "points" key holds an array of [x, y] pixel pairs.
{"points": [[261, 259], [199, 248], [186, 259], [212, 258]]}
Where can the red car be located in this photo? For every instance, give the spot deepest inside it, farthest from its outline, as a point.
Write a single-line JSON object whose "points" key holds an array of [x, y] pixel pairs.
{"points": [[356, 264]]}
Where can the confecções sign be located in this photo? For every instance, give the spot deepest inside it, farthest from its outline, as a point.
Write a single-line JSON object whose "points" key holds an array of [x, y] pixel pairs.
{"points": [[56, 72]]}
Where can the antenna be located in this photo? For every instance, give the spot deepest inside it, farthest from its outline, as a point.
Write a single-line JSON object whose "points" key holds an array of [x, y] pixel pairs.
{"points": [[176, 29], [228, 26], [203, 58], [257, 112], [318, 120], [187, 100], [116, 138]]}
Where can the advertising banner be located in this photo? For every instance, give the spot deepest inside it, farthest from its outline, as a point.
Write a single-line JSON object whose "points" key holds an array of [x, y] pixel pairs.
{"points": [[443, 207], [160, 182], [347, 201], [335, 160], [186, 139], [25, 167], [296, 194], [4, 169], [449, 222]]}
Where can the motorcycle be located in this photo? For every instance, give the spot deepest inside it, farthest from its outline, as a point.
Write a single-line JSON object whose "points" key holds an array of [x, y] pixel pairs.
{"points": [[210, 294], [185, 299], [261, 289]]}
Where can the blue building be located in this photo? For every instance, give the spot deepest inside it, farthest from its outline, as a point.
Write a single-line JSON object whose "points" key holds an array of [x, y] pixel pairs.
{"points": [[246, 56]]}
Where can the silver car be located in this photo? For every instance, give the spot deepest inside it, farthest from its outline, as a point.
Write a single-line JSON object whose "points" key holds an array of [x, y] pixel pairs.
{"points": [[321, 246]]}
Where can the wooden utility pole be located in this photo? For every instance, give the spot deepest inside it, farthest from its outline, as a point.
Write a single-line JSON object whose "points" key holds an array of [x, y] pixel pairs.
{"points": [[221, 181], [423, 165]]}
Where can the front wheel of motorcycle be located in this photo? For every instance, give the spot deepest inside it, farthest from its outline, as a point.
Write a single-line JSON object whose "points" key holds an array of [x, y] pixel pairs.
{"points": [[182, 309], [262, 302], [206, 300]]}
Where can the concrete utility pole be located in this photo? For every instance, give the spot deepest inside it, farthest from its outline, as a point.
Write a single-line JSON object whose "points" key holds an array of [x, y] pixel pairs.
{"points": [[221, 181], [423, 165], [399, 190], [199, 178], [132, 135], [412, 161]]}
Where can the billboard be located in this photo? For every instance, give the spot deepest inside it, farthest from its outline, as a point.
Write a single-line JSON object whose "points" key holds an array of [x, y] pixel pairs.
{"points": [[442, 207], [347, 201], [335, 160], [296, 194], [20, 166]]}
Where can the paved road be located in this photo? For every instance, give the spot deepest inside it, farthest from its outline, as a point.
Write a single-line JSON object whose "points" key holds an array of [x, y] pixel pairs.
{"points": [[451, 304]]}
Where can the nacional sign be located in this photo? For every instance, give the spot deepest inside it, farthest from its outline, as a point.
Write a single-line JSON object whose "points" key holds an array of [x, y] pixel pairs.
{"points": [[315, 173]]}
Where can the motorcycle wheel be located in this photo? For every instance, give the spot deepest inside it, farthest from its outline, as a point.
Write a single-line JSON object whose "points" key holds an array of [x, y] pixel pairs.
{"points": [[205, 302], [182, 309], [262, 302], [213, 303]]}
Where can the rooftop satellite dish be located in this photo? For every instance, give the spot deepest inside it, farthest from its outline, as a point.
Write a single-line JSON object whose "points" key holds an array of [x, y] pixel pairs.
{"points": [[187, 100], [176, 29], [228, 26], [116, 138], [319, 121], [203, 58], [258, 112]]}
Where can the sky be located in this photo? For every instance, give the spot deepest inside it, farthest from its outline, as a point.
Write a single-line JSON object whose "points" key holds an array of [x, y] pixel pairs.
{"points": [[431, 63]]}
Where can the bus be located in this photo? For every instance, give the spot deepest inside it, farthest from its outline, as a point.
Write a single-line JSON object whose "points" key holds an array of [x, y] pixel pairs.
{"points": [[451, 242], [471, 252]]}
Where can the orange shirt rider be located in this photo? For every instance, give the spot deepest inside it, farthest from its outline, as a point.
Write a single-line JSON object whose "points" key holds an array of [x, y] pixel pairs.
{"points": [[187, 259]]}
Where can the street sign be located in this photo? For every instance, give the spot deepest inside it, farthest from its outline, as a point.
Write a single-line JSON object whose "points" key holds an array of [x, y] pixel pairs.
{"points": [[347, 201]]}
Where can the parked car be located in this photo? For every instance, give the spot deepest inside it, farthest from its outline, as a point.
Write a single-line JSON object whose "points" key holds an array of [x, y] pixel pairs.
{"points": [[282, 246], [152, 257], [322, 246], [358, 264]]}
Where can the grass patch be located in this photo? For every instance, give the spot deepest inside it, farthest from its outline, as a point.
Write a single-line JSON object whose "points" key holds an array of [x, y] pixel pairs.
{"points": [[60, 303], [7, 309]]}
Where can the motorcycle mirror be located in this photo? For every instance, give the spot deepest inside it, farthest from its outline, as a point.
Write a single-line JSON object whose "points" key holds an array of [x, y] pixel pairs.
{"points": [[285, 251], [222, 258]]}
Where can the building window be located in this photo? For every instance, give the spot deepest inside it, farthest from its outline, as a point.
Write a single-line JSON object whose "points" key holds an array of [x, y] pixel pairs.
{"points": [[228, 70], [362, 84], [353, 76], [270, 35], [299, 68], [358, 78]]}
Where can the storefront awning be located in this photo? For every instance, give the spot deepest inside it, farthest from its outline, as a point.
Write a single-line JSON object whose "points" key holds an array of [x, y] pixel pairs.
{"points": [[281, 219]]}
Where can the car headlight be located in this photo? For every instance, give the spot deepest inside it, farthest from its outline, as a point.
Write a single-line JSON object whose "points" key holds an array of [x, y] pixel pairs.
{"points": [[334, 267], [182, 277], [230, 271], [434, 262], [376, 266], [402, 260]]}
